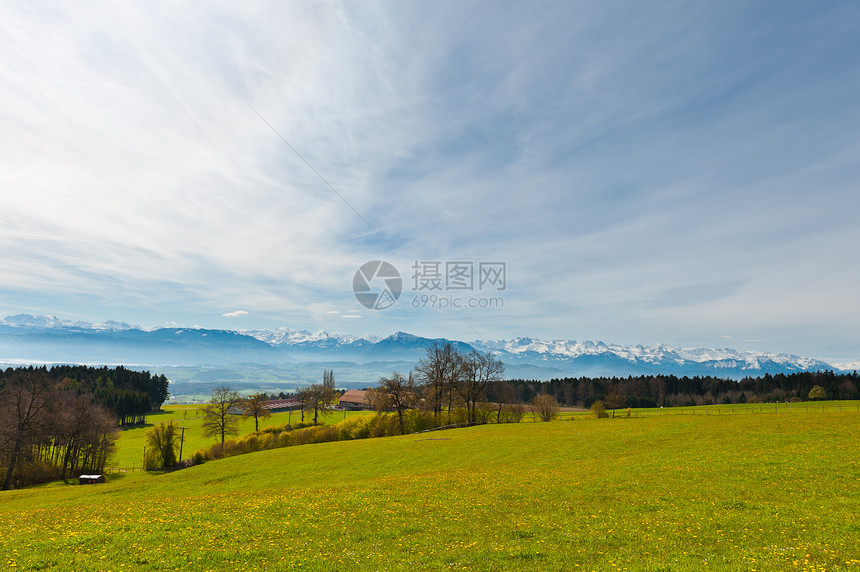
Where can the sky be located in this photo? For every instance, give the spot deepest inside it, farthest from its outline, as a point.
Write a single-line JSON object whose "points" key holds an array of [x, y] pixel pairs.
{"points": [[680, 173]]}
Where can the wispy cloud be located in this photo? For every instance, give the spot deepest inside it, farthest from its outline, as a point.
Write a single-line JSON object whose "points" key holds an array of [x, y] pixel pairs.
{"points": [[715, 190]]}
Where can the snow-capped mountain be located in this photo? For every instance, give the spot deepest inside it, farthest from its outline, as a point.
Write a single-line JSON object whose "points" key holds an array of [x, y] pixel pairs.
{"points": [[287, 336], [661, 355], [40, 339], [26, 321]]}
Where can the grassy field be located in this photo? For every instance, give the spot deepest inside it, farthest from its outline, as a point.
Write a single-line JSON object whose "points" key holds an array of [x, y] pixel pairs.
{"points": [[664, 492], [130, 445]]}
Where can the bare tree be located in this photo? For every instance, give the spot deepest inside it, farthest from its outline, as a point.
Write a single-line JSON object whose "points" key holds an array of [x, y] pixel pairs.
{"points": [[504, 395], [84, 431], [436, 374], [303, 396], [97, 440], [615, 399], [375, 399], [255, 406], [477, 371], [320, 397], [23, 418], [397, 393], [545, 407], [217, 419]]}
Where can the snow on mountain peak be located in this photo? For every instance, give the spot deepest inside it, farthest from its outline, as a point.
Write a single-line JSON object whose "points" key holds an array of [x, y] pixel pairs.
{"points": [[657, 354], [52, 322], [523, 350], [287, 336]]}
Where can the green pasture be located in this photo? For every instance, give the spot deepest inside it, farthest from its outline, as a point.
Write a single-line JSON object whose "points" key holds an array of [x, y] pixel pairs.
{"points": [[129, 446], [737, 409], [658, 492]]}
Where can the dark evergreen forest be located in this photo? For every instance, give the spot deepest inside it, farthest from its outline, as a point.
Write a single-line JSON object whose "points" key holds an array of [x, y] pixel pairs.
{"points": [[670, 390]]}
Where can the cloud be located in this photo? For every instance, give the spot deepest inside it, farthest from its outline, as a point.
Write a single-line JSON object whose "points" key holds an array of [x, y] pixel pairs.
{"points": [[236, 314], [705, 178]]}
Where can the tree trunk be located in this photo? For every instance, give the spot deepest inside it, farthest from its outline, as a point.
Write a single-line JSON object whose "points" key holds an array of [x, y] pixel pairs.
{"points": [[13, 460], [66, 457]]}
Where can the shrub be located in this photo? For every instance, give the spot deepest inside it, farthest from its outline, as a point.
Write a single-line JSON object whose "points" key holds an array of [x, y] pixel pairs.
{"points": [[416, 420], [357, 427], [545, 407], [817, 392], [599, 409], [275, 429], [459, 415], [383, 425], [34, 473], [512, 413], [266, 441], [284, 439], [484, 412], [323, 434]]}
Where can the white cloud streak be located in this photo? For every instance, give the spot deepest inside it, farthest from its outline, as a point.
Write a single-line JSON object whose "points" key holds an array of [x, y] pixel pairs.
{"points": [[236, 314], [715, 193]]}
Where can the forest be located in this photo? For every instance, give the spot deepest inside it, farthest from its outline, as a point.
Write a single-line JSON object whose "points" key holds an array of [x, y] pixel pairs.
{"points": [[62, 421]]}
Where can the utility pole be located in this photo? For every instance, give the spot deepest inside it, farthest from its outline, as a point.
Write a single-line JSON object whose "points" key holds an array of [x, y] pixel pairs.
{"points": [[181, 443]]}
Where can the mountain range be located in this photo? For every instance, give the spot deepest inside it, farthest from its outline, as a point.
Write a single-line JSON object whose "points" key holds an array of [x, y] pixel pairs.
{"points": [[292, 356]]}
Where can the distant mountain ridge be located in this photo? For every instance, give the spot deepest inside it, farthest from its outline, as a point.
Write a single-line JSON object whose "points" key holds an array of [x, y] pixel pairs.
{"points": [[40, 339]]}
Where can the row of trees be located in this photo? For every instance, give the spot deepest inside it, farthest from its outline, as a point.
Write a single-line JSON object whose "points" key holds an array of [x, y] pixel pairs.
{"points": [[445, 380], [224, 413], [670, 390], [128, 393]]}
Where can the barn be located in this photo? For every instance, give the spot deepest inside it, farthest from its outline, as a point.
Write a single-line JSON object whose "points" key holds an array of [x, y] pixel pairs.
{"points": [[354, 400], [278, 405]]}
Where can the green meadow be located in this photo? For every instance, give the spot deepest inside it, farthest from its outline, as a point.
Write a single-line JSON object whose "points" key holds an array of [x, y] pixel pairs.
{"points": [[130, 445], [694, 491]]}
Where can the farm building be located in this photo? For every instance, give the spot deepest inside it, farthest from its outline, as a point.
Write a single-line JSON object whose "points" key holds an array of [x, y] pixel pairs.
{"points": [[274, 406], [278, 405], [90, 479], [354, 400]]}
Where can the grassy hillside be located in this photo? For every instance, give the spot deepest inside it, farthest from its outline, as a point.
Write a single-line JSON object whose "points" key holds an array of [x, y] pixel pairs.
{"points": [[130, 445], [696, 492]]}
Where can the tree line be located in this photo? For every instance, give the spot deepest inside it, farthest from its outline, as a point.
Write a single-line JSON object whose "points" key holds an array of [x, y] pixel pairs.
{"points": [[130, 394], [223, 414], [62, 421], [670, 390], [447, 383]]}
